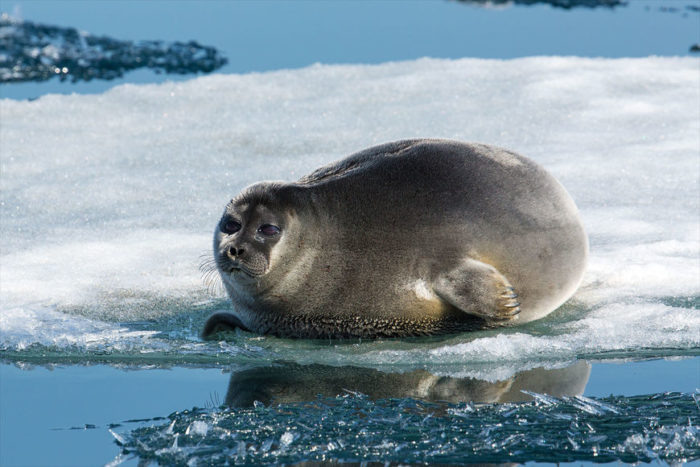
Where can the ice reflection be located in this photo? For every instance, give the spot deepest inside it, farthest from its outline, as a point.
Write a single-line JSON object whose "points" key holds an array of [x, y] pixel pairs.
{"points": [[284, 383]]}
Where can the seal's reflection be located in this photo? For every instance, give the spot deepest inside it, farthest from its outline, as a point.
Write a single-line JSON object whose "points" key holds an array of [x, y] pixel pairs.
{"points": [[290, 382]]}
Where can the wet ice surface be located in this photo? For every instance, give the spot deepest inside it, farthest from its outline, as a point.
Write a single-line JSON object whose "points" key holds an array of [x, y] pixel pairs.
{"points": [[109, 201], [351, 428], [37, 52]]}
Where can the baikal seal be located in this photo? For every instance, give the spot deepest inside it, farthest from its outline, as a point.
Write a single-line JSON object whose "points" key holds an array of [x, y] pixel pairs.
{"points": [[410, 238]]}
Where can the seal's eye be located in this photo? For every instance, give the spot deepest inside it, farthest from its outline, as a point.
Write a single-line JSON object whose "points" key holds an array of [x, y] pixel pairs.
{"points": [[230, 227], [269, 230]]}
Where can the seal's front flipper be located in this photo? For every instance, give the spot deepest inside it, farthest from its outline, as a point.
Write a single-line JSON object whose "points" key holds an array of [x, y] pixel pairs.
{"points": [[480, 290], [221, 322]]}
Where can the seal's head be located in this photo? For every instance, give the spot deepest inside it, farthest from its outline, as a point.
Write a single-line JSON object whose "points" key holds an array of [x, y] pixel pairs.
{"points": [[249, 230], [257, 242]]}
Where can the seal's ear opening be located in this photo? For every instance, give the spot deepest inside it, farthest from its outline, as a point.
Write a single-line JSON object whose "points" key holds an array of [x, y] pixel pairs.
{"points": [[221, 325]]}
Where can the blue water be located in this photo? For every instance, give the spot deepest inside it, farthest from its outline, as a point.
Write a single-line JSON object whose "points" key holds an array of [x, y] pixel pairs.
{"points": [[69, 410], [272, 35], [149, 390]]}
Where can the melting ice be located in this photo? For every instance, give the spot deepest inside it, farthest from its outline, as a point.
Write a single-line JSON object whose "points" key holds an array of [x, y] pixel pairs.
{"points": [[109, 201]]}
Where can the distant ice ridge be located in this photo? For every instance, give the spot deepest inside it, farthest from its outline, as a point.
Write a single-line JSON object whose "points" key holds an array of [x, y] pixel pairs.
{"points": [[37, 52], [565, 4], [108, 201]]}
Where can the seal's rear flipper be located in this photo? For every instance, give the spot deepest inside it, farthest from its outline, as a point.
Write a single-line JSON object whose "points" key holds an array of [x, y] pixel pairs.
{"points": [[479, 290], [221, 322]]}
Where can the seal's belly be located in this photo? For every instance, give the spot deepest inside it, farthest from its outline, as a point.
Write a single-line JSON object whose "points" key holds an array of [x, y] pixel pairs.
{"points": [[414, 311]]}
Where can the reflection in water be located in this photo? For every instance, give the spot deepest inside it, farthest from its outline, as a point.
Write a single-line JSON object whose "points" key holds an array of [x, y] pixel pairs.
{"points": [[290, 382], [401, 426]]}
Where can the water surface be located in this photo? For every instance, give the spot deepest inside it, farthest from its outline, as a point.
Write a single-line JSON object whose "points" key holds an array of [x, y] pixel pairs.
{"points": [[273, 35]]}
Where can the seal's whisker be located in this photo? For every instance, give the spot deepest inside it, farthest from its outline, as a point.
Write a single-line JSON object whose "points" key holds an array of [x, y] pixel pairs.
{"points": [[210, 274]]}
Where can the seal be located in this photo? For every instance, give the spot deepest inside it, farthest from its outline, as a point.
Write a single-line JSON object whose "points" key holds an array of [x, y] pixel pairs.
{"points": [[410, 238]]}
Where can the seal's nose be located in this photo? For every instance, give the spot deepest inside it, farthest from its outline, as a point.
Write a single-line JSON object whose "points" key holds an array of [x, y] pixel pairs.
{"points": [[234, 252]]}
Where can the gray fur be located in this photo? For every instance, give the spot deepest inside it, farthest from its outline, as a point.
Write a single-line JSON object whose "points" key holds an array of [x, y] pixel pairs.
{"points": [[408, 238]]}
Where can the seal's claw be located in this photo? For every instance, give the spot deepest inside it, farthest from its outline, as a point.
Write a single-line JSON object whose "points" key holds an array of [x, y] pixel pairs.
{"points": [[507, 307], [480, 290]]}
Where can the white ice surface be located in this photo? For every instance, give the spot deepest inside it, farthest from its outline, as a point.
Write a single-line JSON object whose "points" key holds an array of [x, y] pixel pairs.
{"points": [[109, 201]]}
